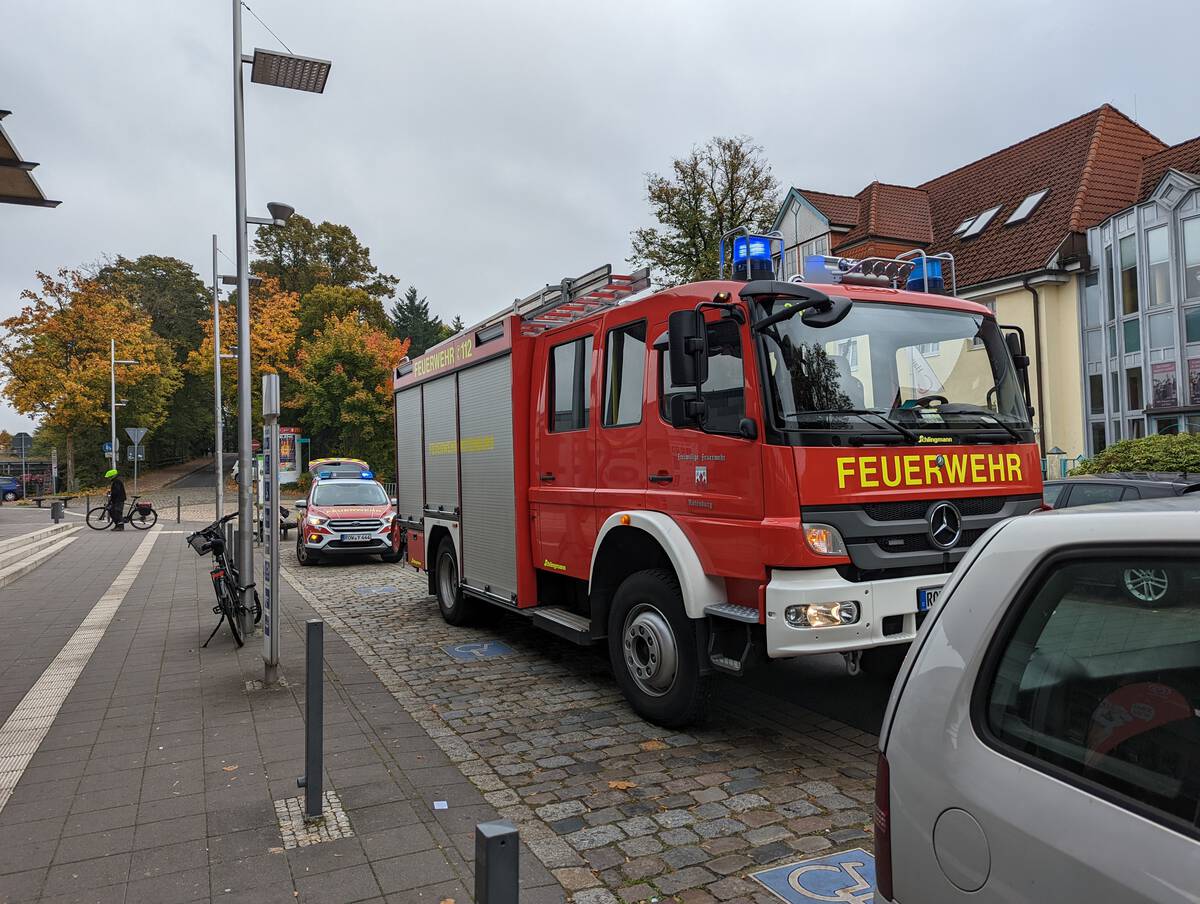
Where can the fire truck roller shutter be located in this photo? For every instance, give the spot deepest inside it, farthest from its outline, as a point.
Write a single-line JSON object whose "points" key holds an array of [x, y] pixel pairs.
{"points": [[699, 589], [489, 505], [410, 463], [441, 445]]}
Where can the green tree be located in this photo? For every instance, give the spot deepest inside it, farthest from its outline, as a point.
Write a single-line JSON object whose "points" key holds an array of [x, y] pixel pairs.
{"points": [[412, 320], [724, 184], [303, 255], [343, 391], [177, 301], [457, 325], [323, 302]]}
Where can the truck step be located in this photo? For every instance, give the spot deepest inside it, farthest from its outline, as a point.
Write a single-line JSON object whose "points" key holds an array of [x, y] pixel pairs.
{"points": [[566, 624], [732, 611], [725, 664]]}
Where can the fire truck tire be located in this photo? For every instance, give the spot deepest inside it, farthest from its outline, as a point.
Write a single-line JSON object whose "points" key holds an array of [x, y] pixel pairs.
{"points": [[652, 648], [456, 608]]}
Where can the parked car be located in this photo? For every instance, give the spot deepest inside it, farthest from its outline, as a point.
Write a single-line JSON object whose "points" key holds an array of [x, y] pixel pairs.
{"points": [[346, 515], [11, 489], [1042, 740], [1076, 491]]}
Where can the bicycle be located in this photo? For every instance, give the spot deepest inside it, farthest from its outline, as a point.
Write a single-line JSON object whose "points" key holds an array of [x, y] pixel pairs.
{"points": [[210, 540], [140, 514]]}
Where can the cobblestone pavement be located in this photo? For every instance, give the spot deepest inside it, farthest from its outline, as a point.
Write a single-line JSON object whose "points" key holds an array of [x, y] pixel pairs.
{"points": [[618, 809]]}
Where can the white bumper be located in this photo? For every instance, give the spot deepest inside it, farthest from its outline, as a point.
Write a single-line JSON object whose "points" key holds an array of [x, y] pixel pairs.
{"points": [[876, 599]]}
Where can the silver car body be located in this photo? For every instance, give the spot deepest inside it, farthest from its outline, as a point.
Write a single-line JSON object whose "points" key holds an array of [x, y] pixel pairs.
{"points": [[962, 810]]}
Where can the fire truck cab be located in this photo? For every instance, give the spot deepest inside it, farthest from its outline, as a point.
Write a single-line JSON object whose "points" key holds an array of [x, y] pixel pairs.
{"points": [[704, 475]]}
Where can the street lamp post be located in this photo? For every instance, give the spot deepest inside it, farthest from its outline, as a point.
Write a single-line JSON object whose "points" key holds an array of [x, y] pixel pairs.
{"points": [[219, 430], [112, 398], [282, 71]]}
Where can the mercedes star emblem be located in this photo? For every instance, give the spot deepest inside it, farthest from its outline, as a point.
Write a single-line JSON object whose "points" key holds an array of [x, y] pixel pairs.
{"points": [[945, 525]]}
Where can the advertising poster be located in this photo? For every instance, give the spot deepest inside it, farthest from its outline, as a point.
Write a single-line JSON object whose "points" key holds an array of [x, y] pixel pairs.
{"points": [[1163, 384], [289, 463], [1193, 371]]}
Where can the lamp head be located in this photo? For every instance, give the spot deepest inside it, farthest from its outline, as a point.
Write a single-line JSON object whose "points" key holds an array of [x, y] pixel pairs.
{"points": [[280, 212]]}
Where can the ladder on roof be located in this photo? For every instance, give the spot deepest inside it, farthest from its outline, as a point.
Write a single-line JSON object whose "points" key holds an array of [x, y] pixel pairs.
{"points": [[574, 299]]}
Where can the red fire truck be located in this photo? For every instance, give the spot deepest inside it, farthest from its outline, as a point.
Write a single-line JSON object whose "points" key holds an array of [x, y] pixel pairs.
{"points": [[706, 474]]}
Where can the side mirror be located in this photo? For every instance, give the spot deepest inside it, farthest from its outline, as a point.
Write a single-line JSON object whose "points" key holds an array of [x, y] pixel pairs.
{"points": [[826, 315], [301, 504], [687, 410], [1016, 348], [394, 502], [687, 344]]}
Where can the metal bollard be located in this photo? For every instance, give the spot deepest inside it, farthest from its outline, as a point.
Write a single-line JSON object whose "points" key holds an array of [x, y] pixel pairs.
{"points": [[497, 862], [314, 717], [56, 511], [178, 509]]}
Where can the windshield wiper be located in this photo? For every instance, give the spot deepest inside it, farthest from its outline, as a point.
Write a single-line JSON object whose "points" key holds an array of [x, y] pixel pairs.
{"points": [[863, 413], [986, 415]]}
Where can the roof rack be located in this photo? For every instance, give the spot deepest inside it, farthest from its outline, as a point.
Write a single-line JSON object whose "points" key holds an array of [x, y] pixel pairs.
{"points": [[890, 272], [574, 299]]}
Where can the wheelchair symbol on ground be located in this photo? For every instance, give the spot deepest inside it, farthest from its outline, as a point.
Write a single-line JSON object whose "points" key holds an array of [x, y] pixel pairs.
{"points": [[470, 652], [844, 878]]}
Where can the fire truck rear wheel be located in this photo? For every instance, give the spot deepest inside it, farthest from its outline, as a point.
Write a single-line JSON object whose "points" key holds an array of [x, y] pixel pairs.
{"points": [[456, 608], [652, 647]]}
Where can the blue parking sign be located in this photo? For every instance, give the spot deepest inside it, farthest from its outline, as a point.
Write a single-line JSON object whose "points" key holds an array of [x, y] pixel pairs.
{"points": [[845, 878]]}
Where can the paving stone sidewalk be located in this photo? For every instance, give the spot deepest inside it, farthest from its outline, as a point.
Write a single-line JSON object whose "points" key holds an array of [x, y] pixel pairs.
{"points": [[160, 779], [617, 809]]}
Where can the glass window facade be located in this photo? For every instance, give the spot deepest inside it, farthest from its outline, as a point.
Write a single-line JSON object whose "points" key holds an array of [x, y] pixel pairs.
{"points": [[1139, 313]]}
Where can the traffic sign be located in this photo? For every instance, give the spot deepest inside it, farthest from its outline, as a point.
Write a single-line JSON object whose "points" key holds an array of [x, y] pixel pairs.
{"points": [[106, 447], [21, 443], [136, 434]]}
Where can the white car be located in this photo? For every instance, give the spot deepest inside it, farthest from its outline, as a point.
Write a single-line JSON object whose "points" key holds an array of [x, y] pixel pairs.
{"points": [[1042, 741]]}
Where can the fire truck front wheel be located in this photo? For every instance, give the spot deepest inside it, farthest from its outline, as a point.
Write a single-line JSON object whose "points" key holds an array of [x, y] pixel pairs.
{"points": [[652, 647], [456, 608]]}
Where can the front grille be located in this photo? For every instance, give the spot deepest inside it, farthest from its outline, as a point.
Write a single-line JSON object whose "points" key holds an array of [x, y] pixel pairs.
{"points": [[922, 543], [914, 511], [355, 524]]}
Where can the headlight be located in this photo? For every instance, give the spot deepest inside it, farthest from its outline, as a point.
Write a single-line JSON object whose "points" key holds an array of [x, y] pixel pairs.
{"points": [[824, 539], [316, 520], [822, 615]]}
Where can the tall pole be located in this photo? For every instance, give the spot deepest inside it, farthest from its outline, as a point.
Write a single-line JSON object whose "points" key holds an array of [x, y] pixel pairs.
{"points": [[217, 406], [245, 553], [112, 386]]}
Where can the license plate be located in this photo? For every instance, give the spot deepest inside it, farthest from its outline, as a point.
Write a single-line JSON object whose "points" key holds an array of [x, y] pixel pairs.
{"points": [[356, 538], [927, 598]]}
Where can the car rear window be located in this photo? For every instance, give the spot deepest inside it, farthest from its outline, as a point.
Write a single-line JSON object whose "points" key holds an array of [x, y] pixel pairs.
{"points": [[1094, 493], [1099, 681]]}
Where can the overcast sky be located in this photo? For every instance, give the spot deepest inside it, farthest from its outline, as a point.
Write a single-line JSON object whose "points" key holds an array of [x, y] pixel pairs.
{"points": [[482, 149]]}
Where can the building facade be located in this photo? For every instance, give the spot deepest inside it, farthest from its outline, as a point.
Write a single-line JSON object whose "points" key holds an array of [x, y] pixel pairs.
{"points": [[1139, 308]]}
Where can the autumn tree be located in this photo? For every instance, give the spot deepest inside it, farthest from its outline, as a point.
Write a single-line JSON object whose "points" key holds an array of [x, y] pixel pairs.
{"points": [[274, 323], [721, 185], [412, 320], [177, 301], [302, 255], [323, 302], [56, 357], [342, 390]]}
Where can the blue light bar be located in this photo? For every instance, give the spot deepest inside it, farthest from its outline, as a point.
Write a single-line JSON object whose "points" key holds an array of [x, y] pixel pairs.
{"points": [[759, 249], [324, 474], [367, 475]]}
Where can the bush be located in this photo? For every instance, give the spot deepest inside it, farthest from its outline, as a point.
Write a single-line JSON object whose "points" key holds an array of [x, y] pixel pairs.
{"points": [[1150, 453], [304, 482]]}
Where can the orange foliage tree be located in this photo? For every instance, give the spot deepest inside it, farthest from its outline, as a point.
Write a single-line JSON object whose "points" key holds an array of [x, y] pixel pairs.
{"points": [[342, 390], [56, 358]]}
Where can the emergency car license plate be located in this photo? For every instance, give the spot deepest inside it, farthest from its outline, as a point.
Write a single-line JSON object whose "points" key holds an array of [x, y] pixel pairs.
{"points": [[356, 538], [927, 598]]}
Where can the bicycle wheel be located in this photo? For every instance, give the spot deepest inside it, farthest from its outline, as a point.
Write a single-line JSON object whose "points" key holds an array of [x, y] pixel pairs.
{"points": [[230, 610], [99, 518], [144, 522]]}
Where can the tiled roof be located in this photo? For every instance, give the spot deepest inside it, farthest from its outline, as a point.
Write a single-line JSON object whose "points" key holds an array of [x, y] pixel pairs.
{"points": [[839, 210], [1184, 157], [891, 212], [1091, 164]]}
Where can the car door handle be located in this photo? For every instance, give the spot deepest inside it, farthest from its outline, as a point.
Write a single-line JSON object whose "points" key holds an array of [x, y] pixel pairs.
{"points": [[661, 478], [547, 476]]}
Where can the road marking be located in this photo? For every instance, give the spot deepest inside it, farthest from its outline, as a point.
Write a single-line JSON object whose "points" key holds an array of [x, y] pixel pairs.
{"points": [[25, 729]]}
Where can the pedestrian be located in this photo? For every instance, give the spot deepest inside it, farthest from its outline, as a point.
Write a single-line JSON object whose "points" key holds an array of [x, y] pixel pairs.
{"points": [[116, 500]]}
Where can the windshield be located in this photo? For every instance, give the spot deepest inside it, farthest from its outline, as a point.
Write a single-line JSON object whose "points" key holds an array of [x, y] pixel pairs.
{"points": [[362, 492], [901, 369]]}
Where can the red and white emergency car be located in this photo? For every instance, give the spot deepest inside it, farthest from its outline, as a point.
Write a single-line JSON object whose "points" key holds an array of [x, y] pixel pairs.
{"points": [[347, 512], [719, 470]]}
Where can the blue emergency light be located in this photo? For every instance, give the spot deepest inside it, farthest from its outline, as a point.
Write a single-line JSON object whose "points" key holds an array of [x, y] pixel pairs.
{"points": [[926, 276], [324, 474], [754, 247], [367, 475]]}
